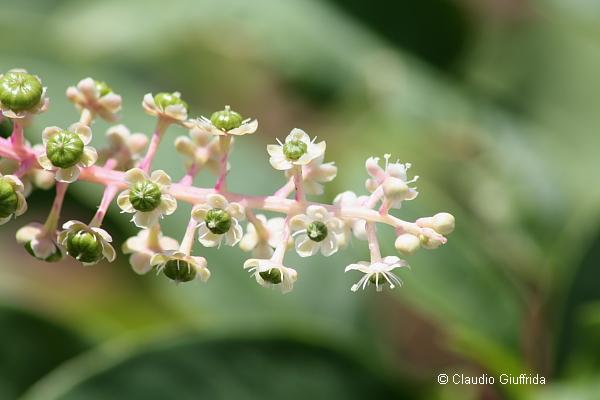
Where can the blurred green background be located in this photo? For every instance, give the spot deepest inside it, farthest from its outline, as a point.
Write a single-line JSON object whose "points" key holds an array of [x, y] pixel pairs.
{"points": [[495, 102]]}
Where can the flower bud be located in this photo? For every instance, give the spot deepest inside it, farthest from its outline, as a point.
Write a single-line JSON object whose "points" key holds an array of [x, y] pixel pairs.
{"points": [[64, 149], [443, 223], [407, 244], [226, 119], [218, 221], [272, 276], [9, 201], [395, 189], [164, 100], [373, 168], [294, 149], [316, 231], [145, 196], [179, 271], [57, 255], [6, 127], [20, 91], [430, 242], [84, 246]]}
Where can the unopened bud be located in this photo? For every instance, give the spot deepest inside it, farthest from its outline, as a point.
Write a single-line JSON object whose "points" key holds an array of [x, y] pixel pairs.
{"points": [[395, 189], [407, 244]]}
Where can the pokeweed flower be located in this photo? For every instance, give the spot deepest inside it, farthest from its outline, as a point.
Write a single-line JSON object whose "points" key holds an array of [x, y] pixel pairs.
{"points": [[223, 123], [22, 94], [144, 246], [393, 180], [218, 219], [97, 97], [378, 273], [269, 273], [315, 174], [40, 242], [316, 230], [166, 105], [262, 241], [201, 148], [66, 151], [442, 223], [298, 150], [12, 198], [85, 243], [407, 244], [354, 226], [126, 148], [147, 197], [180, 267]]}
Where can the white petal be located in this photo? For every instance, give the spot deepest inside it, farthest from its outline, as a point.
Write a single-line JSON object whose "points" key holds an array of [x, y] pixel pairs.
{"points": [[83, 131], [306, 247], [90, 156], [135, 175], [146, 219], [124, 203], [161, 178], [68, 174], [244, 129]]}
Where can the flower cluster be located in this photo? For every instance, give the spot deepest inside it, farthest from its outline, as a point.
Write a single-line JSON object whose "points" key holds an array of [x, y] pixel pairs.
{"points": [[125, 169]]}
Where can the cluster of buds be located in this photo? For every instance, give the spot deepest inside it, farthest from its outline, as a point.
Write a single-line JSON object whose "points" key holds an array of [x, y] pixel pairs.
{"points": [[124, 169]]}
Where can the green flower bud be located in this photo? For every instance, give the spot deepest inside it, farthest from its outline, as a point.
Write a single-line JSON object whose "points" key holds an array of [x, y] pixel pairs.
{"points": [[226, 119], [163, 100], [316, 231], [373, 279], [179, 271], [84, 246], [294, 149], [145, 196], [103, 88], [20, 91], [64, 149], [6, 127], [272, 276], [218, 221], [54, 257], [9, 202]]}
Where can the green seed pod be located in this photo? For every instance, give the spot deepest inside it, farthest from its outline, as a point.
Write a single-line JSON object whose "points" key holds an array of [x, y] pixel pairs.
{"points": [[316, 231], [103, 88], [163, 100], [272, 276], [218, 221], [6, 127], [20, 91], [145, 196], [64, 149], [179, 271], [84, 246], [54, 257], [294, 149], [9, 202], [226, 119]]}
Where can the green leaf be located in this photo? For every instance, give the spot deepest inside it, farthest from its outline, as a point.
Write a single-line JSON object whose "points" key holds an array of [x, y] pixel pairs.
{"points": [[217, 369], [29, 348]]}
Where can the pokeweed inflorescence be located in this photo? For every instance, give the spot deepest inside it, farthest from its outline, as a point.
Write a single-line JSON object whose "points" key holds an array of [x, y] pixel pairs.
{"points": [[124, 168]]}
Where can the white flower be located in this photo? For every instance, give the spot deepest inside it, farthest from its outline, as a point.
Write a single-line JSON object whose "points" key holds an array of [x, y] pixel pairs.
{"points": [[144, 246], [351, 225], [200, 148], [12, 198], [394, 180], [149, 194], [298, 149], [223, 123], [315, 173], [39, 242], [378, 273], [26, 115], [97, 97], [86, 244], [63, 154], [218, 218], [316, 230], [125, 147], [269, 273], [181, 267], [262, 244], [172, 108]]}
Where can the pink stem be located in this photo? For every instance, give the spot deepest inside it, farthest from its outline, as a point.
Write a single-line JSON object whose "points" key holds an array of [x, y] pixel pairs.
{"points": [[109, 194], [286, 189], [188, 239], [188, 179], [279, 253], [18, 137], [224, 143], [161, 128], [53, 217], [373, 242], [299, 184]]}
